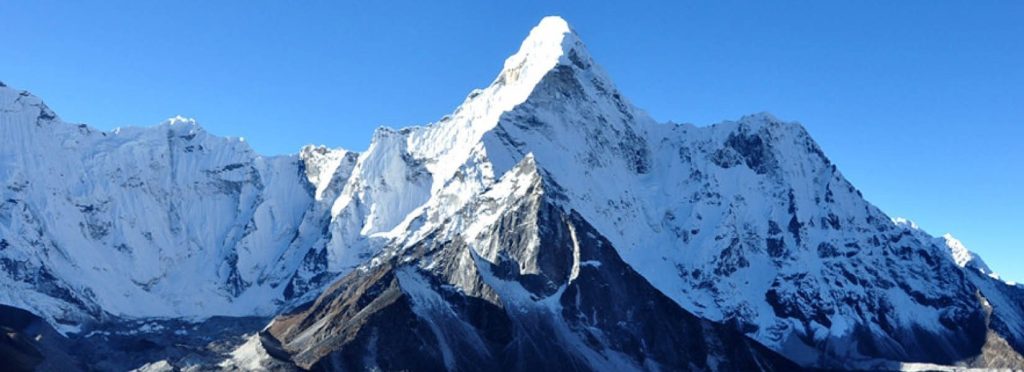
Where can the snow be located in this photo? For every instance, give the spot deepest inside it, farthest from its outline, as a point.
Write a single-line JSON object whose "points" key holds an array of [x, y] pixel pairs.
{"points": [[936, 367], [167, 221], [158, 366], [432, 309], [250, 356], [322, 164], [522, 304], [962, 256], [450, 142], [666, 195], [955, 249]]}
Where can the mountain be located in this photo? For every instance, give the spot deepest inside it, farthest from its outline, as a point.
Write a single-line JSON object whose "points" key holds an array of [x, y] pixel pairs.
{"points": [[546, 223], [537, 288], [144, 222]]}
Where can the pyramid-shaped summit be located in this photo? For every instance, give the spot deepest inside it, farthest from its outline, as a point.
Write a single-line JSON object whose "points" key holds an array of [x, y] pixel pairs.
{"points": [[745, 223], [549, 44]]}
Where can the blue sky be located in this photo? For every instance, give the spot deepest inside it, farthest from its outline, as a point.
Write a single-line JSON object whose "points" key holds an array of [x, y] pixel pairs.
{"points": [[920, 103]]}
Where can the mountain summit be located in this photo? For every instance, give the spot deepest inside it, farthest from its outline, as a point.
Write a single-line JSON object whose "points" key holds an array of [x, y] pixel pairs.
{"points": [[549, 44], [546, 223]]}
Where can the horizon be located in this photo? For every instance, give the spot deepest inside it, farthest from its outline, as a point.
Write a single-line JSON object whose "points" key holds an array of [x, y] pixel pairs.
{"points": [[922, 104]]}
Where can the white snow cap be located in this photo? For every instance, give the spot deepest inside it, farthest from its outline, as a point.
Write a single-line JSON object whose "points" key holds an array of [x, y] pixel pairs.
{"points": [[905, 223], [964, 257], [180, 120], [181, 124], [548, 45], [547, 37]]}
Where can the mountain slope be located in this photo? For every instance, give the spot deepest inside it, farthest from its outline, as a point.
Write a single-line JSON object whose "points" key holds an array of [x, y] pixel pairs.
{"points": [[142, 222], [29, 344], [743, 222], [547, 292]]}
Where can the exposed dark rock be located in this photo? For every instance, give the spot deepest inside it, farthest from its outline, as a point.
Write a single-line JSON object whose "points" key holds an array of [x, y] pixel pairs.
{"points": [[28, 343], [398, 315]]}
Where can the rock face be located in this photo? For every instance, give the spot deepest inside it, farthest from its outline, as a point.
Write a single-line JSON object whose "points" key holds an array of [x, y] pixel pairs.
{"points": [[546, 223], [28, 343], [547, 292]]}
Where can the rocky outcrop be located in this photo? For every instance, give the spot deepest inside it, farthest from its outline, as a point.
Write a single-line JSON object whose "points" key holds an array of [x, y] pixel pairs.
{"points": [[542, 291]]}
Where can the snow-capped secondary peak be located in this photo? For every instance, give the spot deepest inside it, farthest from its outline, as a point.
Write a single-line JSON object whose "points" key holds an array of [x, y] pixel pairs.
{"points": [[905, 223], [182, 125], [964, 257], [958, 252], [180, 120]]}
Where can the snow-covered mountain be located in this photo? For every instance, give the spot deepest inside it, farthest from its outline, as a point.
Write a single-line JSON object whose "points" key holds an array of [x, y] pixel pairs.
{"points": [[146, 222], [546, 222], [533, 286]]}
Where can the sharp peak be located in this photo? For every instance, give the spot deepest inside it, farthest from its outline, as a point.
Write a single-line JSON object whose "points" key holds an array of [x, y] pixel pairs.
{"points": [[551, 39], [551, 43], [550, 29]]}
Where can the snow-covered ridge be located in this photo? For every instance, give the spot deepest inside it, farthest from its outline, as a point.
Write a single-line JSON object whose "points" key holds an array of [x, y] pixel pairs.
{"points": [[165, 221], [958, 252], [448, 143]]}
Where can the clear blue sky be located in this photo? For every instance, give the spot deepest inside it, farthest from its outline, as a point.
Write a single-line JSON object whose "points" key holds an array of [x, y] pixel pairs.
{"points": [[920, 103]]}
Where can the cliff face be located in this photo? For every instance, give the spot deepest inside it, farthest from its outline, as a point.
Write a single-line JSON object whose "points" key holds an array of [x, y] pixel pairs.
{"points": [[543, 290]]}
